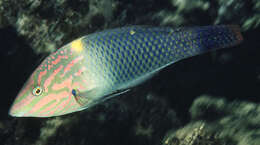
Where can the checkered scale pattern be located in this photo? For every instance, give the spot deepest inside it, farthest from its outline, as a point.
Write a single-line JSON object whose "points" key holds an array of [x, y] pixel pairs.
{"points": [[124, 54]]}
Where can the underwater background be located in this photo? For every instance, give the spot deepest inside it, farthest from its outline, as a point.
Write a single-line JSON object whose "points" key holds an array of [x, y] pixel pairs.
{"points": [[210, 99]]}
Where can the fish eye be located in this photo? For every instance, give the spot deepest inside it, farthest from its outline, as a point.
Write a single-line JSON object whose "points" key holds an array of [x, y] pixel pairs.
{"points": [[37, 91]]}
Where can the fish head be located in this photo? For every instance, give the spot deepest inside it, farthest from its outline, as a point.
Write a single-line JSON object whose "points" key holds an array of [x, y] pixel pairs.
{"points": [[48, 91]]}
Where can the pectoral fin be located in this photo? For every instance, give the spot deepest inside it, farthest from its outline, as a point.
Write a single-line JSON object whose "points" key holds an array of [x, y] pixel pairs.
{"points": [[91, 97], [84, 98]]}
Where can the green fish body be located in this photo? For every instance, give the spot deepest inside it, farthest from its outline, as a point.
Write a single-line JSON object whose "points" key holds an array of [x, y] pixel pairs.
{"points": [[101, 65]]}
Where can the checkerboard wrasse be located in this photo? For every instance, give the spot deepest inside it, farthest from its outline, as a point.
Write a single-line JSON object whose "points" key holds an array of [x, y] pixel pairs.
{"points": [[105, 64]]}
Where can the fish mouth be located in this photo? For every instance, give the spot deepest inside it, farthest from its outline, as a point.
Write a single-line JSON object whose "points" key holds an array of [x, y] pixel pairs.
{"points": [[16, 113], [17, 109]]}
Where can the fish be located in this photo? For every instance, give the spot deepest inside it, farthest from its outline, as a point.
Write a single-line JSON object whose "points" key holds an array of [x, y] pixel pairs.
{"points": [[109, 63]]}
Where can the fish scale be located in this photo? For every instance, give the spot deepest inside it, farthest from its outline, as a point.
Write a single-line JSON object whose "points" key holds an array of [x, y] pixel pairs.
{"points": [[105, 64], [129, 56]]}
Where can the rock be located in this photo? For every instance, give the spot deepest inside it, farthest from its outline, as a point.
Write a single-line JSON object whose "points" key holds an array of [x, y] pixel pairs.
{"points": [[237, 120], [195, 133], [216, 121], [47, 26]]}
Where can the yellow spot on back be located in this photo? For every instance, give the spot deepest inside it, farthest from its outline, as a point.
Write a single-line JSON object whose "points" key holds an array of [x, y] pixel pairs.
{"points": [[77, 45], [132, 32]]}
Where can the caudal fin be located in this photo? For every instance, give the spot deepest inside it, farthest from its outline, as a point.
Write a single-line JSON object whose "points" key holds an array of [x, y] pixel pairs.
{"points": [[220, 36], [235, 34]]}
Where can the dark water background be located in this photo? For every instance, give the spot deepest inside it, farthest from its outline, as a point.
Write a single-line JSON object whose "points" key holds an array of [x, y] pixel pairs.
{"points": [[219, 91]]}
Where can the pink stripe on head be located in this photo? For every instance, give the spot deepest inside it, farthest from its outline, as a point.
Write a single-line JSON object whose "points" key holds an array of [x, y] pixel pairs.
{"points": [[49, 107], [51, 77], [68, 67], [41, 74], [46, 99], [24, 102], [61, 106], [57, 60], [72, 107], [78, 85], [66, 83]]}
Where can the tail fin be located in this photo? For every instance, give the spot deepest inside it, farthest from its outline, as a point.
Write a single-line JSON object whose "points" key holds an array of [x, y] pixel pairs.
{"points": [[216, 37], [236, 33]]}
